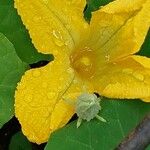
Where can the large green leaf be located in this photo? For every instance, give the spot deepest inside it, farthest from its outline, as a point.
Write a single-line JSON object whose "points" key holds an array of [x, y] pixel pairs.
{"points": [[11, 70], [19, 142], [122, 117], [11, 26]]}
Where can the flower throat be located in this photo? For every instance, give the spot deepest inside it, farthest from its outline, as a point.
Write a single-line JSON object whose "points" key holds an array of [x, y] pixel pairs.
{"points": [[83, 62]]}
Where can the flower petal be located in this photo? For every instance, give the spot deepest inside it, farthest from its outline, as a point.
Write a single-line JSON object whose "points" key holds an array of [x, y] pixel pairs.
{"points": [[116, 34], [128, 78], [37, 95], [59, 22], [123, 6], [76, 89], [41, 99], [70, 12]]}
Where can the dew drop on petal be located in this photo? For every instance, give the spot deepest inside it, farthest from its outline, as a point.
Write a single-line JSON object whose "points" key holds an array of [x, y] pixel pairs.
{"points": [[138, 76], [59, 42], [51, 95], [28, 98], [70, 70], [37, 18], [57, 34], [107, 57], [58, 38]]}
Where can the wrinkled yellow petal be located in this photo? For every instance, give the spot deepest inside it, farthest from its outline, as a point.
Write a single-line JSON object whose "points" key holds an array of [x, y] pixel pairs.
{"points": [[127, 78], [46, 30], [47, 26], [77, 88], [115, 35], [37, 95], [70, 12], [39, 105], [43, 100], [123, 6]]}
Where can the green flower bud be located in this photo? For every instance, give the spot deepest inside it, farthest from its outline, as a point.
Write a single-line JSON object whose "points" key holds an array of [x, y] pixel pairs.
{"points": [[87, 106]]}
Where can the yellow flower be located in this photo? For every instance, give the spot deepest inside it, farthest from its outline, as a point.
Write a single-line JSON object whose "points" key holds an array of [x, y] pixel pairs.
{"points": [[95, 57]]}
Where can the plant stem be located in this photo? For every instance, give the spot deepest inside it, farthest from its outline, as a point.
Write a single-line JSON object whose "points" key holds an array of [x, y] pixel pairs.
{"points": [[139, 138]]}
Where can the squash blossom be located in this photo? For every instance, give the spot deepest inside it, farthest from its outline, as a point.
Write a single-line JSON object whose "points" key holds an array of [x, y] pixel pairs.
{"points": [[96, 57]]}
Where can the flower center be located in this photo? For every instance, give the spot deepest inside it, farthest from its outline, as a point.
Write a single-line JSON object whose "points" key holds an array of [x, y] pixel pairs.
{"points": [[83, 62]]}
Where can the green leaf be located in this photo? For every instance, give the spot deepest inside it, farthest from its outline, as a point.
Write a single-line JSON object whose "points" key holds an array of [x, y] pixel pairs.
{"points": [[19, 142], [11, 70], [93, 5], [148, 148], [11, 26], [145, 49], [121, 115]]}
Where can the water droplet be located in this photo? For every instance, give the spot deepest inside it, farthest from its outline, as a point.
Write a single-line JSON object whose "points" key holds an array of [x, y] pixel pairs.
{"points": [[70, 70], [107, 57], [138, 76], [59, 42], [36, 73], [127, 71], [58, 38], [57, 34], [28, 98], [75, 81], [67, 42], [51, 95], [37, 18]]}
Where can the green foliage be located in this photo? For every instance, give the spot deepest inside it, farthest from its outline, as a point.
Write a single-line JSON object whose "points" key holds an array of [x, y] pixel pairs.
{"points": [[11, 26], [11, 70], [19, 142], [145, 49], [93, 5], [121, 115]]}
